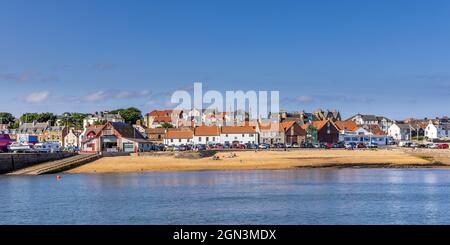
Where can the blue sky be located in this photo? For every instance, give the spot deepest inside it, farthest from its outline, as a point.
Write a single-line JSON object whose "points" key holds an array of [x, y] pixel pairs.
{"points": [[381, 57]]}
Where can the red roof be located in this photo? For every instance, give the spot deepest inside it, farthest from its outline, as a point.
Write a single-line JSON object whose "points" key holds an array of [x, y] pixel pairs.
{"points": [[238, 129], [179, 134], [207, 131]]}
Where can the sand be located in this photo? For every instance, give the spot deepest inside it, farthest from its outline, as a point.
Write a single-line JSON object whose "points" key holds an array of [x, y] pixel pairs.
{"points": [[247, 160]]}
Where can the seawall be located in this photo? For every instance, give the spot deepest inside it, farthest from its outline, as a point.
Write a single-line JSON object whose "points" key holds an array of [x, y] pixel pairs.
{"points": [[14, 161]]}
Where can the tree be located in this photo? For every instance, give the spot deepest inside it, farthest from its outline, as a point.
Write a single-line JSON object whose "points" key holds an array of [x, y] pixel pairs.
{"points": [[130, 115], [38, 117], [100, 122], [6, 118], [166, 125]]}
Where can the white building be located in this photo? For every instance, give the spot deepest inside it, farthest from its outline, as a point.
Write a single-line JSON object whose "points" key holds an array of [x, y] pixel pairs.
{"points": [[435, 131], [362, 135], [179, 137], [383, 122], [239, 135], [206, 135], [400, 131], [72, 139]]}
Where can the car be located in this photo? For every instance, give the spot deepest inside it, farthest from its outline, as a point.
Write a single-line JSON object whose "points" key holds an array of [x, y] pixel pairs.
{"points": [[295, 145], [226, 146], [327, 145], [238, 146], [372, 145], [413, 145], [404, 143], [264, 146], [442, 146], [361, 145], [350, 145], [200, 147], [339, 145], [251, 146], [432, 146]]}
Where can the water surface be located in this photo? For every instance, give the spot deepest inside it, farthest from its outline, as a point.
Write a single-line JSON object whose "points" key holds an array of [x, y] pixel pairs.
{"points": [[302, 196]]}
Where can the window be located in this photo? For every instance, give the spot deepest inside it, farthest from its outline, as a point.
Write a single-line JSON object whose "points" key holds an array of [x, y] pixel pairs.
{"points": [[207, 139], [251, 135], [171, 140], [179, 140], [226, 135], [243, 135], [199, 138]]}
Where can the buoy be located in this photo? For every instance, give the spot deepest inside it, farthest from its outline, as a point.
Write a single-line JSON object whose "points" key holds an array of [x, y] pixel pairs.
{"points": [[58, 177]]}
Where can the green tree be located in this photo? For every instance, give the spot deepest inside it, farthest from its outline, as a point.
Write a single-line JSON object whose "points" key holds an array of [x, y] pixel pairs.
{"points": [[130, 115], [38, 117], [166, 125], [6, 118], [100, 122]]}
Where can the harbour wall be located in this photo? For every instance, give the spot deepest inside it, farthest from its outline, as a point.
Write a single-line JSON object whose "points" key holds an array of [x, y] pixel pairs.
{"points": [[13, 161]]}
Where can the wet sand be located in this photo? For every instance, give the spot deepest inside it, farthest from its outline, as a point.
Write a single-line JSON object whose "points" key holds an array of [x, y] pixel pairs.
{"points": [[247, 160]]}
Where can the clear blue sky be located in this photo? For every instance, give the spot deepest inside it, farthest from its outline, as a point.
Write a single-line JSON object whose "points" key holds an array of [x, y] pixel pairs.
{"points": [[382, 57]]}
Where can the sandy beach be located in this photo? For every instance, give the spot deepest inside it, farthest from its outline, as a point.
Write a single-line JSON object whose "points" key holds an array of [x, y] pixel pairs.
{"points": [[246, 160]]}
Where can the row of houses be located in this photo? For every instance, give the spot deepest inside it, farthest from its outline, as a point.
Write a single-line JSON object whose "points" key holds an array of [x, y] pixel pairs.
{"points": [[290, 132], [44, 132]]}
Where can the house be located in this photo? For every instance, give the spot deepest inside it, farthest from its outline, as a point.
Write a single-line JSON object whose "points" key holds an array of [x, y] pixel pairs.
{"points": [[350, 132], [270, 133], [311, 133], [32, 129], [179, 137], [55, 134], [363, 119], [327, 132], [286, 133], [156, 135], [156, 118], [239, 135], [72, 139], [346, 126], [114, 137], [400, 131], [103, 116], [206, 135], [332, 115], [436, 131]]}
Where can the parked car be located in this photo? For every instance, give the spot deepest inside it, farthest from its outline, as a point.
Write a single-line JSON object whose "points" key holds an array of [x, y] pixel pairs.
{"points": [[264, 146], [200, 147], [226, 146], [251, 146], [238, 146], [404, 143], [432, 146], [327, 145], [339, 145], [372, 145], [295, 145], [442, 146], [361, 145], [350, 145]]}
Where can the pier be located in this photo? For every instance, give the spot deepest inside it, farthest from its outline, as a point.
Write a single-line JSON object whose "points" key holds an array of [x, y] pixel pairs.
{"points": [[57, 166]]}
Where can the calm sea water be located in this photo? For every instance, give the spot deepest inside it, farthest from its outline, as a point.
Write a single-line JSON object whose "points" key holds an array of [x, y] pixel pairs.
{"points": [[303, 196]]}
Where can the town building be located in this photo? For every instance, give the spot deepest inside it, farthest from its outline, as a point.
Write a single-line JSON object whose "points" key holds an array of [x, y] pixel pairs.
{"points": [[400, 131], [114, 137], [72, 139], [156, 135], [55, 134], [239, 135], [289, 132], [437, 131], [206, 135], [327, 132], [99, 117], [179, 137], [32, 129]]}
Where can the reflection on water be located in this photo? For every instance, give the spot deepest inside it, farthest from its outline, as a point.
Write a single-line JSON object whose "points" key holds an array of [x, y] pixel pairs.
{"points": [[303, 196]]}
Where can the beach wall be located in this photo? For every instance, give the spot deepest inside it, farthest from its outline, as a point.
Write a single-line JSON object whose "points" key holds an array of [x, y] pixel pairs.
{"points": [[13, 161]]}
